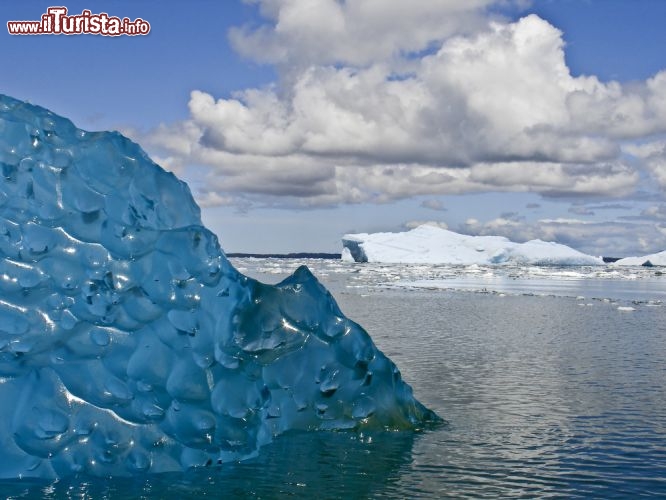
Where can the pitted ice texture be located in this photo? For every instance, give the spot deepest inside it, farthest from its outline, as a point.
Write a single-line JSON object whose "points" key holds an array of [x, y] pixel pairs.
{"points": [[129, 343]]}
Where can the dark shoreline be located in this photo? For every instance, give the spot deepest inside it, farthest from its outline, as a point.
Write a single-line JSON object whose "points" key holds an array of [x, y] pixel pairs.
{"points": [[299, 255]]}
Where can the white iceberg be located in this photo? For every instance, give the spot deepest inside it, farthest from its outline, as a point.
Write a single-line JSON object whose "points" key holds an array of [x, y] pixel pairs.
{"points": [[654, 259], [428, 244]]}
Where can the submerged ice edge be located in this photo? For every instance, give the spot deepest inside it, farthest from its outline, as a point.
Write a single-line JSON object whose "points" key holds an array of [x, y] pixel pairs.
{"points": [[129, 343]]}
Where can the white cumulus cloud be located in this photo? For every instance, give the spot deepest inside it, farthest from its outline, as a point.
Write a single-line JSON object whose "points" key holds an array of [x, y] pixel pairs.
{"points": [[605, 238], [353, 32], [382, 100]]}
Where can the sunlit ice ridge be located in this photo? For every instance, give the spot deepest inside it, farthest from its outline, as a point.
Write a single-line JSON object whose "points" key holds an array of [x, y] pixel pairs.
{"points": [[129, 343]]}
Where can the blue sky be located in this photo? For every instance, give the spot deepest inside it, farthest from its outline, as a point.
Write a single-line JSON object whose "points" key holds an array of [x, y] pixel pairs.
{"points": [[298, 121]]}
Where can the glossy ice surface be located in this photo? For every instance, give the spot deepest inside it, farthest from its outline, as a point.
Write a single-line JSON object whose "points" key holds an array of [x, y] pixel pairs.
{"points": [[129, 343]]}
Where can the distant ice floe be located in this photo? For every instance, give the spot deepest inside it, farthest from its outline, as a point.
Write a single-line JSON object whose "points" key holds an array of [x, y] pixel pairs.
{"points": [[428, 244], [655, 259], [627, 284]]}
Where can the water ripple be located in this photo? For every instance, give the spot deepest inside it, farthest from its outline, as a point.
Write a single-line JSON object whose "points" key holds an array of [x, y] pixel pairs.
{"points": [[543, 398]]}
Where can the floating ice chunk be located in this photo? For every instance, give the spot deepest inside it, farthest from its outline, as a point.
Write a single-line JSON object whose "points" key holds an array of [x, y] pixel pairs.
{"points": [[434, 245], [128, 342], [655, 259]]}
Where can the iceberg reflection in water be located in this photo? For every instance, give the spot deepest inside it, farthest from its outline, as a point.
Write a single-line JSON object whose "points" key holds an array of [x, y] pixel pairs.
{"points": [[301, 465]]}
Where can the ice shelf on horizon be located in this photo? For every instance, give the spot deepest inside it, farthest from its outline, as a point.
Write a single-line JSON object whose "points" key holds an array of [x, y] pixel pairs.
{"points": [[428, 244], [129, 343]]}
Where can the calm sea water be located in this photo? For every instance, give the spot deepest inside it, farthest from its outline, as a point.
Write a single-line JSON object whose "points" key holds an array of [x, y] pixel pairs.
{"points": [[553, 384]]}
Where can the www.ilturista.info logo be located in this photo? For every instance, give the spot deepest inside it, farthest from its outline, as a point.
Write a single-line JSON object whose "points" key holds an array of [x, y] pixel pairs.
{"points": [[56, 22]]}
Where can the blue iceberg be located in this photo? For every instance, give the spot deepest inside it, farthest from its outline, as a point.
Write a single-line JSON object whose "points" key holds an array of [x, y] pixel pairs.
{"points": [[129, 343]]}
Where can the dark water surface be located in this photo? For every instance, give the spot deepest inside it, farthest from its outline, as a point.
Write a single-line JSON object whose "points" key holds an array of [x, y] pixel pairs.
{"points": [[545, 396]]}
